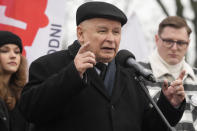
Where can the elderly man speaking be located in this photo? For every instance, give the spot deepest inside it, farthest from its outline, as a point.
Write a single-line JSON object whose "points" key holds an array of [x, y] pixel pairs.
{"points": [[84, 88]]}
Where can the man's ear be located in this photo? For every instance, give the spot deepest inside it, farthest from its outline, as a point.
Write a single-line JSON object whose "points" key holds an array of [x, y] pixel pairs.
{"points": [[156, 39], [80, 36]]}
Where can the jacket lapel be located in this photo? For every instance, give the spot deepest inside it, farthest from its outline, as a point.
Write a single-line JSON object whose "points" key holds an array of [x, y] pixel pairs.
{"points": [[73, 49], [92, 77], [95, 81], [121, 82]]}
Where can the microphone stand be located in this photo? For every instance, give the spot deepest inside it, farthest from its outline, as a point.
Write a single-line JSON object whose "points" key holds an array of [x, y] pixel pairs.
{"points": [[141, 82]]}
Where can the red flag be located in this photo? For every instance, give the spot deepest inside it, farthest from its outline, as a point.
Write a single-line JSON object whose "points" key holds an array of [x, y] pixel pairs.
{"points": [[23, 17]]}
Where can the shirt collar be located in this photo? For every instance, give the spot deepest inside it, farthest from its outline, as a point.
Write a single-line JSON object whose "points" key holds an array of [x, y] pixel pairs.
{"points": [[159, 66]]}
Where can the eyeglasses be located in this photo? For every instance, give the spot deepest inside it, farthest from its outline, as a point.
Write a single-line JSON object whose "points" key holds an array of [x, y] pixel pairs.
{"points": [[169, 43]]}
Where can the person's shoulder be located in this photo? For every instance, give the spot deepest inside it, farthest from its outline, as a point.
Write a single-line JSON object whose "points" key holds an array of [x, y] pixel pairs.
{"points": [[145, 64], [53, 56], [195, 70], [62, 54]]}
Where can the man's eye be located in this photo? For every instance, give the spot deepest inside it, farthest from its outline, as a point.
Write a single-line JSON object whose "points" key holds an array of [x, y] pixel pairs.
{"points": [[116, 32], [3, 51], [181, 42], [101, 31], [169, 41]]}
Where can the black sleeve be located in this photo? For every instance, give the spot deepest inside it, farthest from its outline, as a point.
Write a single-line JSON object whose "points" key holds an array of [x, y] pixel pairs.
{"points": [[172, 114], [47, 94], [152, 120]]}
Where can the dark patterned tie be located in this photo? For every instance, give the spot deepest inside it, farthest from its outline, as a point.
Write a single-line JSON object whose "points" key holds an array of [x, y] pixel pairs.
{"points": [[103, 68]]}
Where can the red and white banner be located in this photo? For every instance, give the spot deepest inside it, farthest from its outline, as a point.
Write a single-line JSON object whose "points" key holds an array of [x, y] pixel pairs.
{"points": [[39, 23]]}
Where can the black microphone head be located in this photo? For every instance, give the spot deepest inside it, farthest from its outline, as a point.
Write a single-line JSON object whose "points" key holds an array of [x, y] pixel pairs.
{"points": [[127, 59], [123, 55]]}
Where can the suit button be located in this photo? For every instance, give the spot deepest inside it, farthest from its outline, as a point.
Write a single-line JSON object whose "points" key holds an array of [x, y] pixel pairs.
{"points": [[4, 118], [112, 107]]}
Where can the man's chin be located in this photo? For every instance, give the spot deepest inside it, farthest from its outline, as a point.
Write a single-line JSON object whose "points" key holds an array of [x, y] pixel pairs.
{"points": [[173, 62]]}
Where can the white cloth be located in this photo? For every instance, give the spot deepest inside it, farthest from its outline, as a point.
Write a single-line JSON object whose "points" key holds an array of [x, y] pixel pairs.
{"points": [[161, 70]]}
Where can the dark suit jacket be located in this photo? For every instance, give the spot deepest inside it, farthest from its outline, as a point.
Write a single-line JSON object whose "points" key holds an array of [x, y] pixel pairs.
{"points": [[57, 99]]}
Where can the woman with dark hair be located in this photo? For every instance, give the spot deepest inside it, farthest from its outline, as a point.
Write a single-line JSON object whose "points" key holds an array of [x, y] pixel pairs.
{"points": [[13, 76]]}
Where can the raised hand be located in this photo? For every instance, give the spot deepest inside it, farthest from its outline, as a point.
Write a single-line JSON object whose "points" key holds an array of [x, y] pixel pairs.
{"points": [[84, 59], [175, 91]]}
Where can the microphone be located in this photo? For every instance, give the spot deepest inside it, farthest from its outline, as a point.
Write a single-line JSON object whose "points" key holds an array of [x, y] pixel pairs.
{"points": [[127, 59]]}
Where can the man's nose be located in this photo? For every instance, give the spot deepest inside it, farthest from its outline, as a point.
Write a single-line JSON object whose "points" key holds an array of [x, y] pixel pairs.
{"points": [[174, 46], [110, 36]]}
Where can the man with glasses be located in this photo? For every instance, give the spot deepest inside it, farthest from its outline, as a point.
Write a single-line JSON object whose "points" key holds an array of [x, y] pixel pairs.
{"points": [[168, 61]]}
